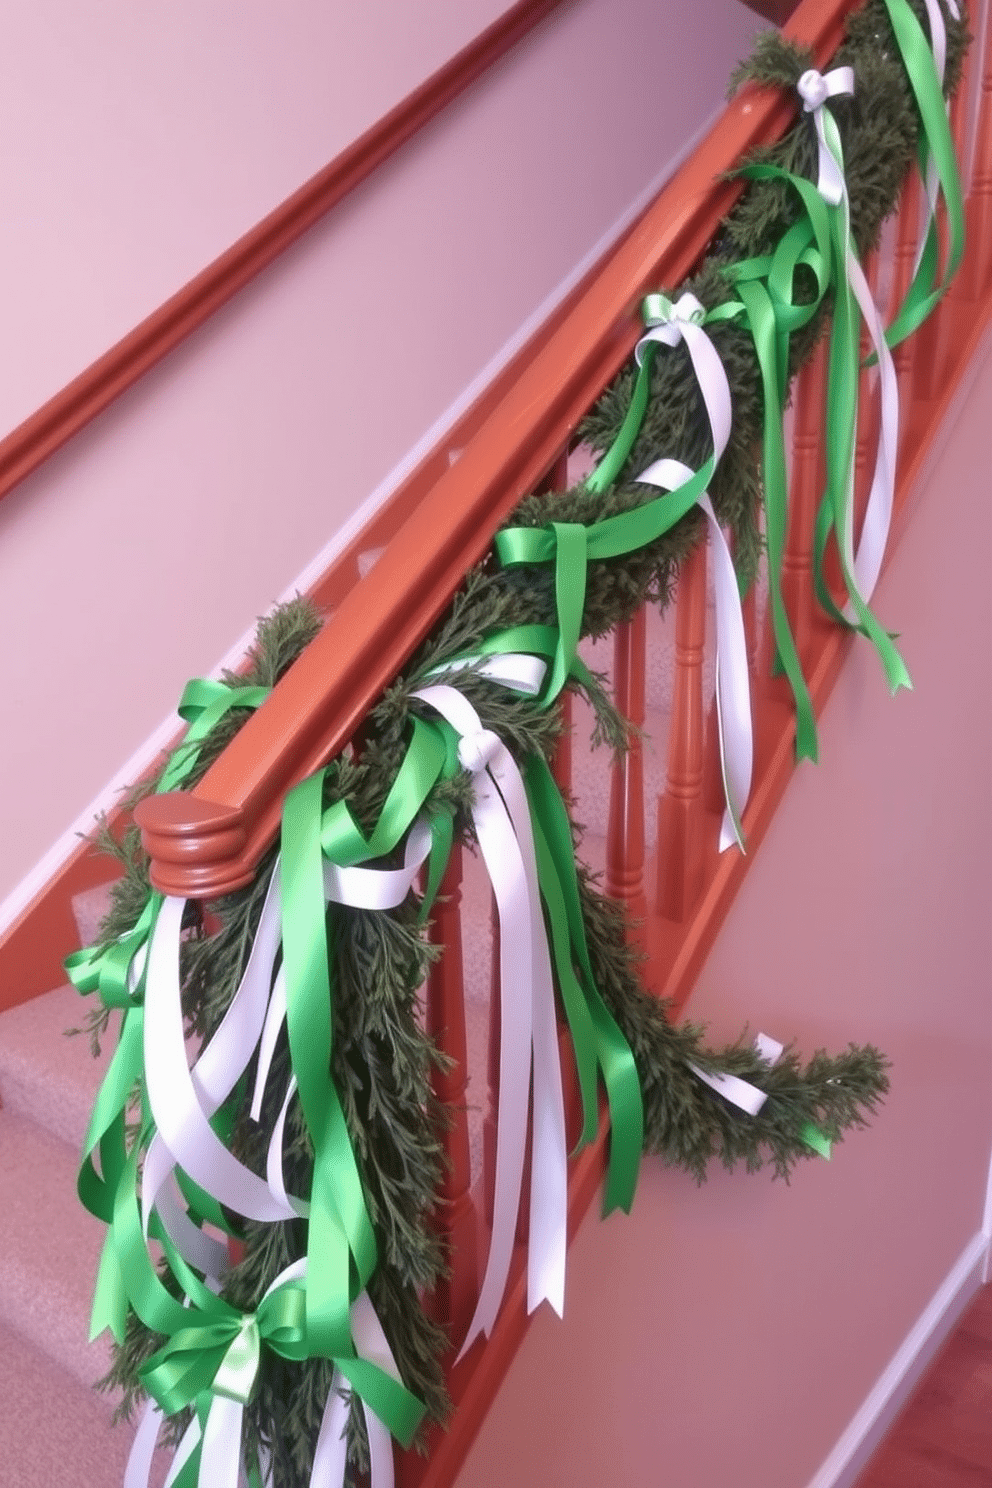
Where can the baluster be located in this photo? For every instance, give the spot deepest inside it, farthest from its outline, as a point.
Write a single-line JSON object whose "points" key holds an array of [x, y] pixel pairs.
{"points": [[808, 480], [625, 831], [903, 256], [936, 334], [680, 808], [453, 1301], [979, 218], [561, 764]]}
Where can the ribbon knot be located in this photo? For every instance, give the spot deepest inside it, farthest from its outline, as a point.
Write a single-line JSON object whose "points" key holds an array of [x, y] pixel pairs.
{"points": [[220, 1351], [238, 1369], [476, 750], [812, 89], [665, 319]]}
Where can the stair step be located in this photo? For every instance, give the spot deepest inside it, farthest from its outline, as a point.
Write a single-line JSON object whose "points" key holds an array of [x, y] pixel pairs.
{"points": [[53, 1430], [89, 908], [46, 1077], [50, 1247]]}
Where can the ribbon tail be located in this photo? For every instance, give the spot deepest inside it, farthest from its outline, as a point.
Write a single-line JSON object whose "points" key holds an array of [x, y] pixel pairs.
{"points": [[139, 1462], [499, 849], [733, 689], [189, 1445], [878, 514], [220, 1458], [330, 1460]]}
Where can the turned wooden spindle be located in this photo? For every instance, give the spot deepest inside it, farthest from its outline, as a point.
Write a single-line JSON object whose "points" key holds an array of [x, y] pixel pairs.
{"points": [[978, 257], [936, 334], [680, 807], [452, 1303], [903, 258], [808, 481], [625, 830]]}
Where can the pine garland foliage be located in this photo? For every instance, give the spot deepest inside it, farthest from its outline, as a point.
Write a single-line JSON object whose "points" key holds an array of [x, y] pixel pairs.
{"points": [[382, 1057]]}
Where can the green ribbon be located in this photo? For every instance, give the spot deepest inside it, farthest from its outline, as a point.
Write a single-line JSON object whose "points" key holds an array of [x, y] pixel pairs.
{"points": [[597, 1040], [779, 294], [596, 1036], [106, 970], [341, 1246], [221, 1350], [841, 419], [925, 291], [814, 1138]]}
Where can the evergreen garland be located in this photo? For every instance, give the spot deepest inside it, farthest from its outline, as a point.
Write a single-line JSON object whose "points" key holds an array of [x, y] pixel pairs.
{"points": [[382, 1058]]}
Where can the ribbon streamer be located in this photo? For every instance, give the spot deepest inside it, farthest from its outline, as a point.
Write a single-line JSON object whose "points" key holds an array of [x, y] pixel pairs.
{"points": [[528, 1027], [732, 683], [837, 508]]}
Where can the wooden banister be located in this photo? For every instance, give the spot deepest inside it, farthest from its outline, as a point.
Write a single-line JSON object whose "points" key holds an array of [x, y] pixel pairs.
{"points": [[207, 841]]}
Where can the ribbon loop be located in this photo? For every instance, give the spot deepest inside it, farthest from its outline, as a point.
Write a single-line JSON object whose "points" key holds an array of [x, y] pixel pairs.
{"points": [[812, 89]]}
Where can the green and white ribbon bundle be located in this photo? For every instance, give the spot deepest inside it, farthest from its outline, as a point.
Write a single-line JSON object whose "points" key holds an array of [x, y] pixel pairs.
{"points": [[166, 1162]]}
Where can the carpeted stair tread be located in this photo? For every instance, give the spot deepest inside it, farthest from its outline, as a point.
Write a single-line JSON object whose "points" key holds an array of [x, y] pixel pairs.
{"points": [[54, 1432], [45, 1076], [49, 1248], [89, 908]]}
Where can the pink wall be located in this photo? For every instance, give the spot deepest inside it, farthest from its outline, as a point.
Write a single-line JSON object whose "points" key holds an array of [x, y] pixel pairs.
{"points": [[140, 554], [729, 1335], [142, 140]]}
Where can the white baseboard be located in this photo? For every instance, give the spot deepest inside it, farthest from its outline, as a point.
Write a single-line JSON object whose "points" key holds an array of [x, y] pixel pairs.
{"points": [[896, 1382]]}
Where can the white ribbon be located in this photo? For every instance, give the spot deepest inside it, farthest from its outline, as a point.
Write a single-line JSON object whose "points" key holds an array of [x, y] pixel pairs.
{"points": [[684, 325], [181, 1104], [864, 562], [740, 1092], [733, 688], [733, 692], [814, 89], [527, 1011]]}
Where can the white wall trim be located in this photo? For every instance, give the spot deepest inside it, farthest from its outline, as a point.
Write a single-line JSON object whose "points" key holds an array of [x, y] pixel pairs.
{"points": [[895, 1384], [33, 884]]}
